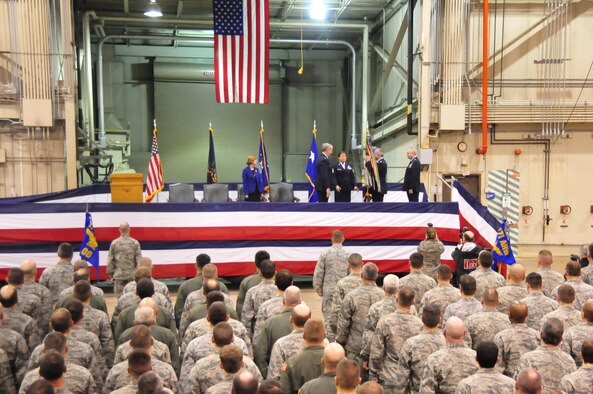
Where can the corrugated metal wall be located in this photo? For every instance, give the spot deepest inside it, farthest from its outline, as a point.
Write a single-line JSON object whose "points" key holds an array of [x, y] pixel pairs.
{"points": [[183, 111]]}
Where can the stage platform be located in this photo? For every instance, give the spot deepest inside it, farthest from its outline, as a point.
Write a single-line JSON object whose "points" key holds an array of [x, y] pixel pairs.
{"points": [[172, 235]]}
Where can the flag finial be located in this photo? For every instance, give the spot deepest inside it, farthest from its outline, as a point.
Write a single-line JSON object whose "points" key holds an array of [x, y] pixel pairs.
{"points": [[315, 124], [154, 122], [261, 124]]}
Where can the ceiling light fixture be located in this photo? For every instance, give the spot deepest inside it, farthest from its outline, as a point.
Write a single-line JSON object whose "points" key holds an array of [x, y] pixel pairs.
{"points": [[318, 10], [153, 10]]}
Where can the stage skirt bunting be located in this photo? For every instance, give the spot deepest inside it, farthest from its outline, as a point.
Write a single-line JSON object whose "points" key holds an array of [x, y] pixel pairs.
{"points": [[172, 235]]}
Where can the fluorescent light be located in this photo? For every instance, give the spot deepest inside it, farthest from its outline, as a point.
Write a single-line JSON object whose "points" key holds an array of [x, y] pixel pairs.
{"points": [[153, 10], [318, 10]]}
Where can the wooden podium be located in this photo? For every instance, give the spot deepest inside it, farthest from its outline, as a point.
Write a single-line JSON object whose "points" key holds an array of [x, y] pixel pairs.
{"points": [[126, 187]]}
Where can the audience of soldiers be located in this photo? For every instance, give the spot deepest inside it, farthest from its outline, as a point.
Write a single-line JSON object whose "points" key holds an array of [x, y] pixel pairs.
{"points": [[530, 333]]}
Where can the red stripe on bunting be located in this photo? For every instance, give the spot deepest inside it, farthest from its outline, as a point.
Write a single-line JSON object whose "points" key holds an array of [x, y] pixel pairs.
{"points": [[226, 233]]}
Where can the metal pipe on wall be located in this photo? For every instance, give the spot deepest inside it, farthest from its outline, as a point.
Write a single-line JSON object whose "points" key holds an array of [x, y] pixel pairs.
{"points": [[410, 87], [484, 148], [210, 42], [88, 76]]}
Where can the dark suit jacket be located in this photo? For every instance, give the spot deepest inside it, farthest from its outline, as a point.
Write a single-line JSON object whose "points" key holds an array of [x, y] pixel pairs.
{"points": [[412, 177], [382, 168], [324, 174], [344, 177], [250, 180]]}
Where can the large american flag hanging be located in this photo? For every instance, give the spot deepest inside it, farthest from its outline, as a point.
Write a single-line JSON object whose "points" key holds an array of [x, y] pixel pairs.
{"points": [[241, 50], [154, 181]]}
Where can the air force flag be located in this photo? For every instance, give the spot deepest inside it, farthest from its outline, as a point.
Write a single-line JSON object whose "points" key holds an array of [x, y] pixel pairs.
{"points": [[502, 251], [89, 249]]}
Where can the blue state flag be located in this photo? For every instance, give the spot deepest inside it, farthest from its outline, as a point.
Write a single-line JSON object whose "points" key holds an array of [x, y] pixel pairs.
{"points": [[89, 249], [502, 252], [263, 163], [311, 171]]}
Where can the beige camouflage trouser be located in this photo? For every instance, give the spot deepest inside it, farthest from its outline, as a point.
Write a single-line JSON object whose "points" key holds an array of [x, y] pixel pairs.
{"points": [[326, 309], [118, 286]]}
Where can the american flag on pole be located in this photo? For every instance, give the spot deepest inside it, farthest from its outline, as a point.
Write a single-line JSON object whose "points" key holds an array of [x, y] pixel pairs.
{"points": [[154, 181], [241, 50]]}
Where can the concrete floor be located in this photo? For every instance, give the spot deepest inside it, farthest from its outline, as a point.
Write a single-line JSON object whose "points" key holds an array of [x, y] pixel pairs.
{"points": [[527, 257]]}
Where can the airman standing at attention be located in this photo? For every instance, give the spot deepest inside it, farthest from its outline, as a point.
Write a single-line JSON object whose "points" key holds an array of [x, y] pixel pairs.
{"points": [[123, 258], [331, 267]]}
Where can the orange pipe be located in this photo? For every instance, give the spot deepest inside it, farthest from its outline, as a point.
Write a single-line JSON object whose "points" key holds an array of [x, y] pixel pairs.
{"points": [[484, 148]]}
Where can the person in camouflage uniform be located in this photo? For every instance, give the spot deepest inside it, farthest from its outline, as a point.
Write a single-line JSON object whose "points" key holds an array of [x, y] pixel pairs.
{"points": [[333, 354], [199, 298], [97, 300], [30, 286], [276, 328], [273, 306], [95, 321], [79, 353], [207, 372], [380, 308], [415, 351], [515, 289], [159, 287], [566, 312], [548, 359], [122, 260], [431, 249], [345, 286], [528, 381], [550, 278], [355, 309], [467, 305], [516, 340], [217, 312], [259, 294], [16, 320], [120, 376], [583, 291], [587, 254], [194, 284], [331, 266], [306, 365], [145, 315], [289, 345], [487, 379], [201, 311], [6, 378], [391, 333], [538, 304], [156, 349], [29, 304], [144, 289], [143, 381], [209, 344], [447, 367], [15, 347], [485, 277], [58, 277], [483, 326], [580, 381], [250, 281], [444, 294], [75, 379], [79, 333], [418, 281], [575, 336]]}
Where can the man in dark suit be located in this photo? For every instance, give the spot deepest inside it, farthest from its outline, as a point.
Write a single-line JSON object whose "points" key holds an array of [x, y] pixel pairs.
{"points": [[378, 191], [324, 182], [412, 177], [344, 178]]}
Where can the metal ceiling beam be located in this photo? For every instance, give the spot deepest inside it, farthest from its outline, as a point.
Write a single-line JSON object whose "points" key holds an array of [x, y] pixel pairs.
{"points": [[126, 7], [344, 5], [179, 8], [397, 67], [389, 66], [287, 10]]}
